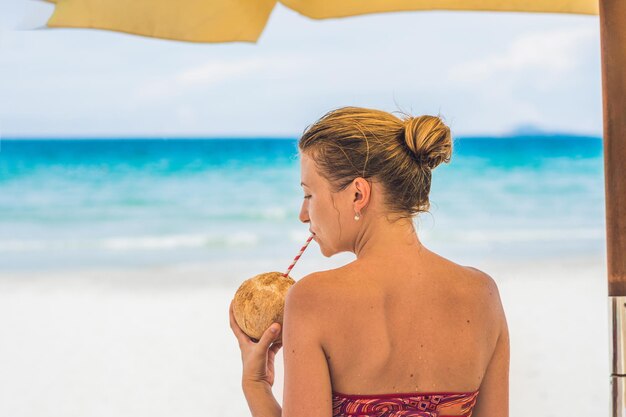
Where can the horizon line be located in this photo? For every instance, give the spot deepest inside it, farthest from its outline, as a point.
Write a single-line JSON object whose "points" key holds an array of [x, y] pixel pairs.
{"points": [[283, 137]]}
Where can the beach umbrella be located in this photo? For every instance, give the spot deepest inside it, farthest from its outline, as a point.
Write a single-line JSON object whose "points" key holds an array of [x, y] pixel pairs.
{"points": [[244, 20]]}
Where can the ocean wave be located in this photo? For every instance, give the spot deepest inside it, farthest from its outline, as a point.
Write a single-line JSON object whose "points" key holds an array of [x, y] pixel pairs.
{"points": [[298, 235], [274, 213], [22, 245], [153, 242], [520, 235], [146, 242], [180, 241], [243, 239]]}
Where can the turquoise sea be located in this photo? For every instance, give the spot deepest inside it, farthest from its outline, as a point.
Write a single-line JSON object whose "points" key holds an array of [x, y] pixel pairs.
{"points": [[69, 203]]}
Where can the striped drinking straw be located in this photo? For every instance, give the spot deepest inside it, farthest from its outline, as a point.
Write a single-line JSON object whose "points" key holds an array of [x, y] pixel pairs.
{"points": [[298, 255]]}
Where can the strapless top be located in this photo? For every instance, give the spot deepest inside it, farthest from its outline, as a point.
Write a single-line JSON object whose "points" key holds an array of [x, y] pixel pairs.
{"points": [[412, 404]]}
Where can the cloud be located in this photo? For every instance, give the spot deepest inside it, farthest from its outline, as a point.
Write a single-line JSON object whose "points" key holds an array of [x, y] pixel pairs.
{"points": [[553, 52], [215, 72]]}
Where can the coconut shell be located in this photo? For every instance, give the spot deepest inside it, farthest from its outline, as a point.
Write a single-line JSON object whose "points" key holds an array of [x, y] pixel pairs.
{"points": [[260, 301]]}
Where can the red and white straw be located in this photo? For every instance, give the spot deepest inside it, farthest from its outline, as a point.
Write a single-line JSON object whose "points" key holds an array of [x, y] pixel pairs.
{"points": [[298, 255]]}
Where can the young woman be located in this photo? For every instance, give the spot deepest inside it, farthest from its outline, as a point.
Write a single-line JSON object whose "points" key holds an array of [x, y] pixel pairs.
{"points": [[400, 331]]}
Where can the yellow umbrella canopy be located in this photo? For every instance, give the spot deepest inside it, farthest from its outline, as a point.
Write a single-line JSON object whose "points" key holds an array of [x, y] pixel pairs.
{"points": [[322, 9], [244, 20], [185, 20]]}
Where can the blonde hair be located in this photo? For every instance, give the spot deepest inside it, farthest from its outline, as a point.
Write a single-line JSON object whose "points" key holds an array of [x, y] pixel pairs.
{"points": [[399, 153]]}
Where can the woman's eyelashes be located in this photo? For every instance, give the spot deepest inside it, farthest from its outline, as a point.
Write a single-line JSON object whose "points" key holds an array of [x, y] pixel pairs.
{"points": [[307, 196]]}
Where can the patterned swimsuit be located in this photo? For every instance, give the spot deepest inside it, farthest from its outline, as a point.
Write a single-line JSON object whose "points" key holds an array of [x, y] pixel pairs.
{"points": [[417, 404]]}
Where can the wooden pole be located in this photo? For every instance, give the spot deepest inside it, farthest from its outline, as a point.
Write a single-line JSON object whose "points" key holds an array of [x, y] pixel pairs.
{"points": [[613, 57]]}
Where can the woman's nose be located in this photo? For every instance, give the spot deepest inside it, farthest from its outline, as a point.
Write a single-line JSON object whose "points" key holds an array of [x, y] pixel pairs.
{"points": [[304, 215]]}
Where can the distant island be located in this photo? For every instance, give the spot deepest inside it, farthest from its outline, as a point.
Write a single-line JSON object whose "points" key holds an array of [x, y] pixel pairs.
{"points": [[531, 130], [528, 129]]}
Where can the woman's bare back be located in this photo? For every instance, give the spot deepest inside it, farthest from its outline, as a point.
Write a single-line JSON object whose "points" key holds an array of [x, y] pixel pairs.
{"points": [[398, 327]]}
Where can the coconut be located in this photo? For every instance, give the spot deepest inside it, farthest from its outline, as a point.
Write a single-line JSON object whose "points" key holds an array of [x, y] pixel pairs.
{"points": [[260, 301]]}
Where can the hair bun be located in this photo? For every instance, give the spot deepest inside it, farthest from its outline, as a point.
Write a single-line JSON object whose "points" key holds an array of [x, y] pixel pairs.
{"points": [[428, 139]]}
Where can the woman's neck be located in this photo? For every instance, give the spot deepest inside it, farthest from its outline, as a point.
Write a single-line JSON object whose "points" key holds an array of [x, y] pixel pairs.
{"points": [[382, 238]]}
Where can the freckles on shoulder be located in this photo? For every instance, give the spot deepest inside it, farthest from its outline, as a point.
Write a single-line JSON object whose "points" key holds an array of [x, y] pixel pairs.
{"points": [[304, 293], [311, 322], [305, 301]]}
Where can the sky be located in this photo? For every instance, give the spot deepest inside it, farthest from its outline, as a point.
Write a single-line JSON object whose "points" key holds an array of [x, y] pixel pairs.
{"points": [[484, 73]]}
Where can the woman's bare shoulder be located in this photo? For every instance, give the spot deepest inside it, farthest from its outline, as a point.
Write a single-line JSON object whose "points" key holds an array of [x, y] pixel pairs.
{"points": [[489, 292], [322, 287], [468, 276], [481, 279], [319, 282]]}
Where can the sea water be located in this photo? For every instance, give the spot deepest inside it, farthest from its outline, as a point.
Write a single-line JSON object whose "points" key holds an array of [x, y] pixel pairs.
{"points": [[127, 202]]}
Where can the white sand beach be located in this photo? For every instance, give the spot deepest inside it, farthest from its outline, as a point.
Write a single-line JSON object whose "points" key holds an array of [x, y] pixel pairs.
{"points": [[156, 342]]}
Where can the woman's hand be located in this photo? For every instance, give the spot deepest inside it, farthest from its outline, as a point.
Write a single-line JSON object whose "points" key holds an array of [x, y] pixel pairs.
{"points": [[257, 357]]}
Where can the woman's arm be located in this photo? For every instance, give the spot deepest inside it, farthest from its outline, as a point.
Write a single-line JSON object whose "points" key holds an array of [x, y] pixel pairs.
{"points": [[493, 398], [261, 400]]}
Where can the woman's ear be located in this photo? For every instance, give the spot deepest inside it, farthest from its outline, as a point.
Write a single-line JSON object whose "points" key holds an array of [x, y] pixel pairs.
{"points": [[361, 192]]}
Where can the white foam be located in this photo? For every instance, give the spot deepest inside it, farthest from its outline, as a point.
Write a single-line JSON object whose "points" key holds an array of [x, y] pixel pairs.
{"points": [[242, 238], [21, 245], [298, 235], [274, 213], [527, 235], [145, 242], [153, 242]]}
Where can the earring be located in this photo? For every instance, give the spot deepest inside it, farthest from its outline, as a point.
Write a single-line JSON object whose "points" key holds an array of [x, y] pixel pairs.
{"points": [[356, 216]]}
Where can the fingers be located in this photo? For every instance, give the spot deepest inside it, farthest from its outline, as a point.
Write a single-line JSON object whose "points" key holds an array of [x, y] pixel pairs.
{"points": [[239, 334], [269, 336], [266, 339], [276, 347]]}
